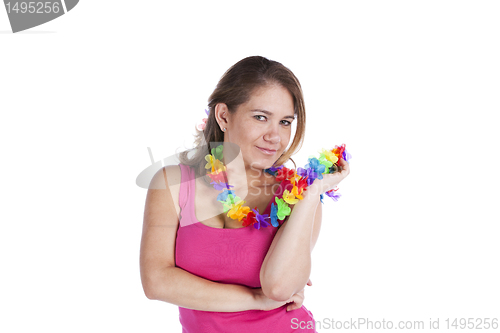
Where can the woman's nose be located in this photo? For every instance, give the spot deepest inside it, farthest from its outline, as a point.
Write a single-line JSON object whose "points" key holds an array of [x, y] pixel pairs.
{"points": [[273, 138]]}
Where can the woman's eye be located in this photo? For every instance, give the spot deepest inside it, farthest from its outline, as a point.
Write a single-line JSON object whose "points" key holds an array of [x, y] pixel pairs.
{"points": [[284, 122]]}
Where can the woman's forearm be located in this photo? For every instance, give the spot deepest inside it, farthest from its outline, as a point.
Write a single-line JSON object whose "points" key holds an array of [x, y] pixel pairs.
{"points": [[287, 266], [177, 286]]}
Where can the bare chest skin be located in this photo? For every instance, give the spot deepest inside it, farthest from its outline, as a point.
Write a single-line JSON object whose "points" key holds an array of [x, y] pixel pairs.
{"points": [[210, 212]]}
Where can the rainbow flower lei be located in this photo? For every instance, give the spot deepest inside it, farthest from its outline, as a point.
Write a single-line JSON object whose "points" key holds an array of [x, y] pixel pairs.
{"points": [[298, 180]]}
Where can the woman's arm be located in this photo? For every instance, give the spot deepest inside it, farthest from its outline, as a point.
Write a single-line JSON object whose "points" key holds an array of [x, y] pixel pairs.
{"points": [[287, 265], [161, 279], [177, 286]]}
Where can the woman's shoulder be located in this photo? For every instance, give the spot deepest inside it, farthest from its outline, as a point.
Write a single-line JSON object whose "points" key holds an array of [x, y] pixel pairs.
{"points": [[168, 178], [173, 173], [168, 175]]}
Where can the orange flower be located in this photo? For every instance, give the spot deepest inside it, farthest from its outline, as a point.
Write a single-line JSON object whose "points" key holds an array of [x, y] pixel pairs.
{"points": [[338, 150], [295, 192], [294, 178], [238, 212]]}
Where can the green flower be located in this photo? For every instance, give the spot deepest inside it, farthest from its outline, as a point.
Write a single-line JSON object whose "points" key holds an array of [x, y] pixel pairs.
{"points": [[230, 201], [217, 152], [323, 160], [283, 209]]}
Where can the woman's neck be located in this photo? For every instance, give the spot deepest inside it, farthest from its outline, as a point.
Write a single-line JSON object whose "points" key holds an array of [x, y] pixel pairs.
{"points": [[241, 175]]}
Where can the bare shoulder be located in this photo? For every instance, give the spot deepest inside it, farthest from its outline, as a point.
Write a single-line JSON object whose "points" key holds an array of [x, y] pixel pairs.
{"points": [[174, 181], [168, 178], [168, 175]]}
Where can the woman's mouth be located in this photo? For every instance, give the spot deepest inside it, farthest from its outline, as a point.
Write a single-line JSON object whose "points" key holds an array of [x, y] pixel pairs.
{"points": [[267, 151]]}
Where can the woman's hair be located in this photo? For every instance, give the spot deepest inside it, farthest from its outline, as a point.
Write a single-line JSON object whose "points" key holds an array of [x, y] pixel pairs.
{"points": [[235, 88]]}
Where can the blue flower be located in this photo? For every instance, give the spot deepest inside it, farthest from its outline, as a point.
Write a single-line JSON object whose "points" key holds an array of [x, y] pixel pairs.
{"points": [[274, 215], [269, 171], [223, 196], [316, 166]]}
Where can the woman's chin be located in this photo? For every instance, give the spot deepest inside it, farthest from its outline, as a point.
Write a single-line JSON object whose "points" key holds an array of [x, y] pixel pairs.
{"points": [[259, 165]]}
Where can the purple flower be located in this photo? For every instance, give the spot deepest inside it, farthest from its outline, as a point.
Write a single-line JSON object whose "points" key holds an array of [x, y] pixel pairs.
{"points": [[309, 173], [273, 170], [346, 156], [261, 219], [220, 186], [334, 195]]}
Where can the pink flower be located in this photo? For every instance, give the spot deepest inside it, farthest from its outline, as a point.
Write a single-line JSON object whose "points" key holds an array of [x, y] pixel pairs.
{"points": [[201, 126]]}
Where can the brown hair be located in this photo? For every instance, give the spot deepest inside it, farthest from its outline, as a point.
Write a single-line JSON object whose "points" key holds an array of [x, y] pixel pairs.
{"points": [[235, 88]]}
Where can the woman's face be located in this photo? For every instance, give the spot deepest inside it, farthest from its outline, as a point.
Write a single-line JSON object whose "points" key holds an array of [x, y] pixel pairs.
{"points": [[262, 126]]}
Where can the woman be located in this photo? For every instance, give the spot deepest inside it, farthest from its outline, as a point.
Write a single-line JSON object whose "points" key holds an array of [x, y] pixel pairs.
{"points": [[223, 276]]}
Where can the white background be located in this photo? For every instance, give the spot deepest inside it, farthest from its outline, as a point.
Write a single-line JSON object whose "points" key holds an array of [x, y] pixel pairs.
{"points": [[412, 88]]}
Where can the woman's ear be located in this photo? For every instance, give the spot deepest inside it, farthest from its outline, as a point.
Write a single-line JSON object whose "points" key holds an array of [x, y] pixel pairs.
{"points": [[222, 115]]}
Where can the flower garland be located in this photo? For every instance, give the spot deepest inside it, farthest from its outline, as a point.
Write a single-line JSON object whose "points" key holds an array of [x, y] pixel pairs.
{"points": [[299, 181]]}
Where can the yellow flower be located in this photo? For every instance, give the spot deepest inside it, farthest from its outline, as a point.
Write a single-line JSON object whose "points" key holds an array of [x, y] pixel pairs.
{"points": [[330, 156], [238, 212], [210, 159], [219, 166], [214, 164], [289, 198]]}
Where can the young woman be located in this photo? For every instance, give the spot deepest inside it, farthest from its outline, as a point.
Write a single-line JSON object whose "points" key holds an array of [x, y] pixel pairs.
{"points": [[224, 276]]}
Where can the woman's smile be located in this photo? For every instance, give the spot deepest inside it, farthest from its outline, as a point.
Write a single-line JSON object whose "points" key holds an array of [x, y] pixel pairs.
{"points": [[267, 151]]}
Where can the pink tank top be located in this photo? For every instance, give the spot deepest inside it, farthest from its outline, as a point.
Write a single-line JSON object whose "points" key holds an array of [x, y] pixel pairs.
{"points": [[232, 256]]}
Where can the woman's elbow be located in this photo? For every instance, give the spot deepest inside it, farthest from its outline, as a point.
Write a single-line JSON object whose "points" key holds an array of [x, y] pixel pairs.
{"points": [[148, 288], [149, 295], [276, 291], [271, 287], [149, 285], [279, 294]]}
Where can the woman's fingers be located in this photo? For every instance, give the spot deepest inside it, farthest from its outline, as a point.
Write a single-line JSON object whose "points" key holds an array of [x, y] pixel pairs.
{"points": [[297, 302], [293, 306], [345, 166], [297, 299]]}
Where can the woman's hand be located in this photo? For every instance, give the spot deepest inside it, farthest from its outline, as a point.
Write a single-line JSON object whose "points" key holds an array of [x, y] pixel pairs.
{"points": [[297, 299], [266, 303], [330, 180]]}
